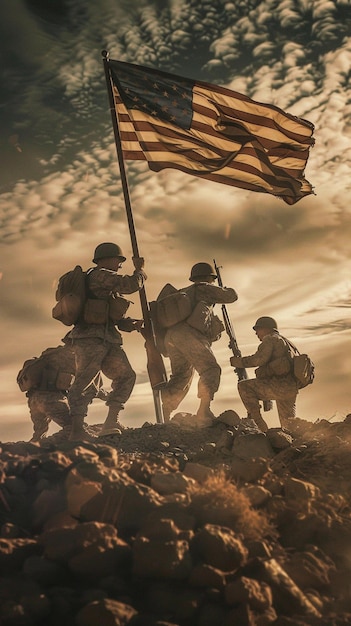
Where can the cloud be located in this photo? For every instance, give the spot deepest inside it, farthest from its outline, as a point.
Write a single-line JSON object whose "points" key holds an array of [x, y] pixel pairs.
{"points": [[61, 195]]}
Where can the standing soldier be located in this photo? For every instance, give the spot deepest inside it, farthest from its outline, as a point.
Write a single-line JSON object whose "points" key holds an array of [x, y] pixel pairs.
{"points": [[274, 379], [46, 380], [97, 343], [188, 344]]}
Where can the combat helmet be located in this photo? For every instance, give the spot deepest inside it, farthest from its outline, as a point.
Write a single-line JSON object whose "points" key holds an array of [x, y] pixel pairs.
{"points": [[266, 322], [200, 270], [108, 250]]}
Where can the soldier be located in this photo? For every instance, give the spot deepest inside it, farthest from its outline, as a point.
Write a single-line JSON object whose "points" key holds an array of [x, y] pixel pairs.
{"points": [[46, 380], [98, 344], [274, 379], [188, 344]]}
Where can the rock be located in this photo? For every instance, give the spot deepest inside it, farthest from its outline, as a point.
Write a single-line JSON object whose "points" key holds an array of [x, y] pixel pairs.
{"points": [[252, 445], [257, 495], [203, 575], [105, 612], [257, 595], [198, 472], [300, 490], [288, 599], [219, 547], [230, 418], [248, 470], [279, 439], [14, 552], [166, 483], [310, 570], [160, 559]]}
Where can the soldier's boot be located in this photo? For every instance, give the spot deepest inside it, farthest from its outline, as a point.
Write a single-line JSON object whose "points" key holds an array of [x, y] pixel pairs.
{"points": [[204, 414], [39, 433], [166, 412], [77, 430], [111, 425], [258, 419]]}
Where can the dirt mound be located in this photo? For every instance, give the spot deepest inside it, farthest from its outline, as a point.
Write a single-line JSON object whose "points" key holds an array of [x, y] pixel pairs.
{"points": [[179, 524]]}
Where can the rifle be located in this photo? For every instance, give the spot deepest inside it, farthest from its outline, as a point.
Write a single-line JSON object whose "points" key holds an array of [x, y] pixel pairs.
{"points": [[233, 344]]}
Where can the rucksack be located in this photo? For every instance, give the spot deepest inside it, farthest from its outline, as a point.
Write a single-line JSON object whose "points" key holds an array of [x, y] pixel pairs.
{"points": [[303, 368], [30, 374], [53, 370], [70, 296], [172, 306]]}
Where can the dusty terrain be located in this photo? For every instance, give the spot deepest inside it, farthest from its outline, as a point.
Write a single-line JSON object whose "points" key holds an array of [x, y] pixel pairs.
{"points": [[179, 525]]}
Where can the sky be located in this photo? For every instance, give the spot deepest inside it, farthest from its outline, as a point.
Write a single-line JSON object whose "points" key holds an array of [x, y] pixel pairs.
{"points": [[60, 190]]}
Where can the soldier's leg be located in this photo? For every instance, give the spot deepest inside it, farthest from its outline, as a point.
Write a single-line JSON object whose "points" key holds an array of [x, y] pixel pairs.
{"points": [[37, 415], [204, 362], [117, 367], [57, 409], [251, 391], [179, 383], [286, 410], [89, 354]]}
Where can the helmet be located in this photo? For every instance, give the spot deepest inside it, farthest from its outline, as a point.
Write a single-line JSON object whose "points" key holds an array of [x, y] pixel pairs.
{"points": [[200, 270], [108, 250], [266, 322]]}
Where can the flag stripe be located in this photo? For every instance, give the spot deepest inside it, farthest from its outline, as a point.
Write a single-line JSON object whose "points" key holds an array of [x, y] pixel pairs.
{"points": [[159, 152], [148, 135], [211, 132]]}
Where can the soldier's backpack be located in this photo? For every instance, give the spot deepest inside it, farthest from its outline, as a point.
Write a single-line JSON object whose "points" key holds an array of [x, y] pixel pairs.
{"points": [[30, 374], [172, 306], [303, 367], [70, 296], [43, 372]]}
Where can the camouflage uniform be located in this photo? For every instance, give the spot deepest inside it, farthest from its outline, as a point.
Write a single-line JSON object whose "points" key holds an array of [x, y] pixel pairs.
{"points": [[189, 350], [98, 347], [269, 384], [47, 403]]}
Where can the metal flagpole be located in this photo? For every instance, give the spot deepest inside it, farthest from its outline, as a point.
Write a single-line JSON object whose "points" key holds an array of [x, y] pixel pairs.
{"points": [[155, 365]]}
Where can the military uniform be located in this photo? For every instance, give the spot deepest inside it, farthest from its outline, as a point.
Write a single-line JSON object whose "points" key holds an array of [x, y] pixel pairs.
{"points": [[46, 402], [274, 380], [98, 347], [189, 349]]}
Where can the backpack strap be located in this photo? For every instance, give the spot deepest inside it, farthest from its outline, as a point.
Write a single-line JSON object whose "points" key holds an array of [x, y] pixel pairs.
{"points": [[290, 345]]}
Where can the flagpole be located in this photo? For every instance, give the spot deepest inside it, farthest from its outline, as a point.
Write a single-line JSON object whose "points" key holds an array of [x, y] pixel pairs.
{"points": [[156, 369]]}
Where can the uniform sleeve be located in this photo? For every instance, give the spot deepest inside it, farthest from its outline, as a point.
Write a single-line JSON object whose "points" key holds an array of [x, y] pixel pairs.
{"points": [[102, 282], [215, 295], [261, 356]]}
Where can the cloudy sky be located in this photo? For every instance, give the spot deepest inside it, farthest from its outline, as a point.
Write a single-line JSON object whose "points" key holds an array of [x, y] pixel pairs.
{"points": [[60, 191]]}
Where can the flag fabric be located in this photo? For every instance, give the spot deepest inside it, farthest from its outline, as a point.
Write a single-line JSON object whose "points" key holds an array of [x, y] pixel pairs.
{"points": [[211, 132]]}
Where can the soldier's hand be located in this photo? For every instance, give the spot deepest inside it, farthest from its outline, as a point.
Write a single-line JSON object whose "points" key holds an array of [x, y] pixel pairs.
{"points": [[138, 262], [235, 361], [138, 325]]}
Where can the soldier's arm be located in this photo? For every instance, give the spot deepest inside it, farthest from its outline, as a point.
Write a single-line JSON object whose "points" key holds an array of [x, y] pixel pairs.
{"points": [[261, 356], [216, 295], [102, 282]]}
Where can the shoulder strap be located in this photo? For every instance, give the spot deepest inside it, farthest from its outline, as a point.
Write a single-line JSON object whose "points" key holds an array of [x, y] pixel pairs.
{"points": [[290, 345], [89, 292]]}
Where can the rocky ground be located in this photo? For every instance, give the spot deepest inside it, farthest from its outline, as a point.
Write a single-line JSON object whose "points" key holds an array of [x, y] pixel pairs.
{"points": [[173, 524]]}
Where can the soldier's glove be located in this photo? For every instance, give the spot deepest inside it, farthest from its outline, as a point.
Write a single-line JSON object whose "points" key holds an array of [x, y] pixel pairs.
{"points": [[236, 361]]}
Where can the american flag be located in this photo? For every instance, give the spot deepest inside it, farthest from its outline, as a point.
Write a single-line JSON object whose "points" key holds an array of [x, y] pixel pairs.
{"points": [[210, 132]]}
